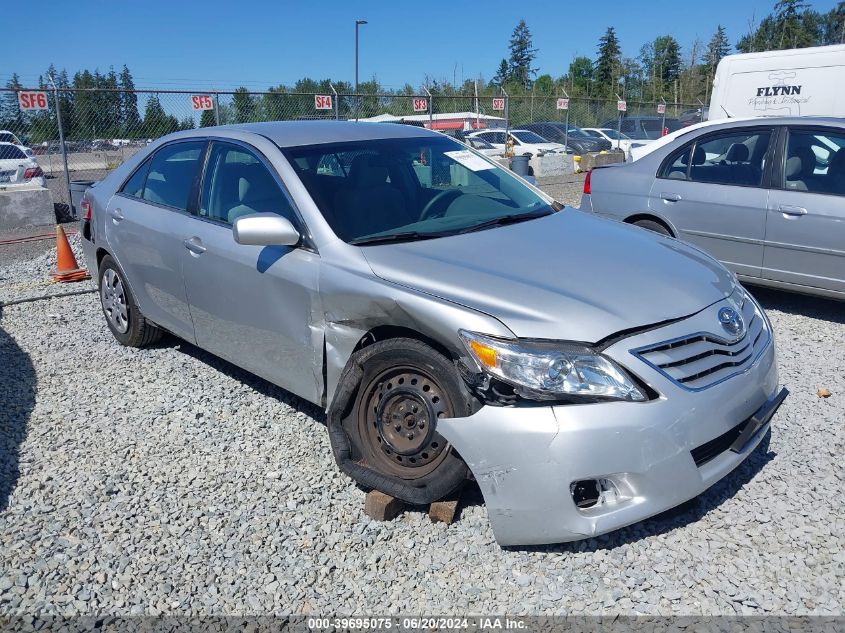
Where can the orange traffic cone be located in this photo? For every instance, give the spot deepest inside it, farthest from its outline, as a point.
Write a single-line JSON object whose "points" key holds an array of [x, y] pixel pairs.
{"points": [[67, 268]]}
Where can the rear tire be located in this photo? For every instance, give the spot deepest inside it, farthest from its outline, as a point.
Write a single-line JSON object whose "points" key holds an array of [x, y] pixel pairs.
{"points": [[652, 225], [405, 387], [123, 316]]}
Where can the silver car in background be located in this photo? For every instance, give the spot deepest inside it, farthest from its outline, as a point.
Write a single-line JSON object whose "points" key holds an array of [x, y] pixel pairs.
{"points": [[766, 197], [453, 321]]}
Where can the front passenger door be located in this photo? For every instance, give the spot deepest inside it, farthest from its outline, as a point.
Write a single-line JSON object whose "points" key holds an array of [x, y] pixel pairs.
{"points": [[252, 305]]}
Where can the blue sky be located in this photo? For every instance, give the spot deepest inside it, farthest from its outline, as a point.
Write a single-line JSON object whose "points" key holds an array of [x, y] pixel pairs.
{"points": [[224, 44]]}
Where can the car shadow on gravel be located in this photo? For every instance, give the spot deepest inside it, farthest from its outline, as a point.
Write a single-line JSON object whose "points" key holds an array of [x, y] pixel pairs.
{"points": [[804, 305], [678, 517], [17, 399]]}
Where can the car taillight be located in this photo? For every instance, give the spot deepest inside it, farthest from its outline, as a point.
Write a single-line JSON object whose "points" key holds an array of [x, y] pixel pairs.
{"points": [[32, 172], [587, 181], [86, 208], [665, 131]]}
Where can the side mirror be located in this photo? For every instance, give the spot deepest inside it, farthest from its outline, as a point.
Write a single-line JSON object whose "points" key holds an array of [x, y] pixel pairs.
{"points": [[265, 229]]}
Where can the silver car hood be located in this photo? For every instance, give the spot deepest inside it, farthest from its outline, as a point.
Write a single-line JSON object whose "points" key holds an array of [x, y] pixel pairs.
{"points": [[569, 276]]}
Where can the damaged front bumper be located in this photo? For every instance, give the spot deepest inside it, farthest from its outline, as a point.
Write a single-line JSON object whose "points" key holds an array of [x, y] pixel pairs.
{"points": [[648, 457]]}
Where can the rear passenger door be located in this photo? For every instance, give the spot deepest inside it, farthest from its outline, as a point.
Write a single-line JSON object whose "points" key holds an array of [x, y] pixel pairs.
{"points": [[805, 227], [145, 225], [252, 305], [714, 191]]}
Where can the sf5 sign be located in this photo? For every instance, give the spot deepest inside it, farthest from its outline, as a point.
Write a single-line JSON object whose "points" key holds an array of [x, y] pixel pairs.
{"points": [[32, 100], [202, 102], [323, 102]]}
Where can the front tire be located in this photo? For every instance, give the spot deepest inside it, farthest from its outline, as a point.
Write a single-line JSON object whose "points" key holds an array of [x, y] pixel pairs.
{"points": [[405, 387], [123, 317]]}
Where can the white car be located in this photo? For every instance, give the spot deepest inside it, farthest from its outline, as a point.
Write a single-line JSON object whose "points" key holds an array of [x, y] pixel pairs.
{"points": [[617, 139], [17, 169], [484, 147], [525, 142], [9, 137]]}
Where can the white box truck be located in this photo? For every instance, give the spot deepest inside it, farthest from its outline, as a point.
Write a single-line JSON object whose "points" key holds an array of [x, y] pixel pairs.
{"points": [[794, 82]]}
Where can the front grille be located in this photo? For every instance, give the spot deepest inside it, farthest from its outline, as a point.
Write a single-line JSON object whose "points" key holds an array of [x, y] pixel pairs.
{"points": [[701, 360]]}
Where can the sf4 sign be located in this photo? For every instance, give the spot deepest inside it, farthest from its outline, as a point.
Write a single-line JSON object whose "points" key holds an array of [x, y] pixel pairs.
{"points": [[563, 104], [499, 103], [32, 100], [622, 106], [202, 102], [323, 102], [661, 108], [420, 104]]}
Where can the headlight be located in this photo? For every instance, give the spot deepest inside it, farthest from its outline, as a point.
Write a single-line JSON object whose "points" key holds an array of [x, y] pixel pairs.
{"points": [[550, 370]]}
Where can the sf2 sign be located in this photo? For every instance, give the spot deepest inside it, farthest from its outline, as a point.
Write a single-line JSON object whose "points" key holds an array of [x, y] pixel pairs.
{"points": [[622, 106], [323, 102], [499, 103], [563, 104], [32, 100], [202, 102], [420, 105]]}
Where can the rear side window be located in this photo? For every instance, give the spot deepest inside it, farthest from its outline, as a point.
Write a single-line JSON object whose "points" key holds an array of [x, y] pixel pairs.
{"points": [[729, 159], [10, 152], [815, 162], [135, 185], [172, 173]]}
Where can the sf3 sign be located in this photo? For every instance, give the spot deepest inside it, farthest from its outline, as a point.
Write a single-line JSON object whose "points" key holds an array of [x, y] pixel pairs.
{"points": [[420, 104], [563, 104], [32, 100], [323, 102], [202, 102], [622, 106]]}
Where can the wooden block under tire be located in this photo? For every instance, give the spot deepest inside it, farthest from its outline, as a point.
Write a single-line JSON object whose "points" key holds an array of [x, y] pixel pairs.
{"points": [[382, 507], [444, 510]]}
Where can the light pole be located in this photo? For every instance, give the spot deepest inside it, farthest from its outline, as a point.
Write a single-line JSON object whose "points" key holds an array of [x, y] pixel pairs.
{"points": [[357, 24]]}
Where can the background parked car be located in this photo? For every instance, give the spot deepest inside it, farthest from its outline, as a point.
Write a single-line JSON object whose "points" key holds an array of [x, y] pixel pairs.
{"points": [[765, 196], [16, 168], [578, 141], [643, 128], [488, 149], [618, 140], [525, 142], [690, 117], [10, 137]]}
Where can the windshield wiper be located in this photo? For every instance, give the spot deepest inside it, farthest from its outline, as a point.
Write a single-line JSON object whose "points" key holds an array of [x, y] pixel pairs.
{"points": [[405, 236], [504, 219]]}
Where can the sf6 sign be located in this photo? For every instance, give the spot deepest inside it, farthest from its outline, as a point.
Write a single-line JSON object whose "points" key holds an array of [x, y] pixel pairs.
{"points": [[202, 102], [420, 105], [32, 100], [323, 102], [499, 103]]}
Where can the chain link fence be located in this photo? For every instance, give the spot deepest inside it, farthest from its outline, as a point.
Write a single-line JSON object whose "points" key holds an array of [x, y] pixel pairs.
{"points": [[102, 128]]}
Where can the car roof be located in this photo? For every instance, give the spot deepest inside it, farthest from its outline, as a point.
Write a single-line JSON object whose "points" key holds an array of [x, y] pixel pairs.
{"points": [[297, 133]]}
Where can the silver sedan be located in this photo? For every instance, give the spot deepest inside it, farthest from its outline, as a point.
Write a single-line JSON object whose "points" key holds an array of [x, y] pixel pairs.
{"points": [[766, 197], [453, 321]]}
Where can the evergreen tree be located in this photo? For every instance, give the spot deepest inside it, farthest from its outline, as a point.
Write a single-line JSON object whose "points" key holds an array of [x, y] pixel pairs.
{"points": [[207, 118], [717, 48], [581, 75], [10, 115], [243, 105], [608, 63], [156, 121], [667, 56], [522, 56], [833, 26], [130, 118], [502, 75]]}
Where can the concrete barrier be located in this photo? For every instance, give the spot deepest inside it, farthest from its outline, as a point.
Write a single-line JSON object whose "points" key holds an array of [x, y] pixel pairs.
{"points": [[553, 165], [26, 207], [588, 161]]}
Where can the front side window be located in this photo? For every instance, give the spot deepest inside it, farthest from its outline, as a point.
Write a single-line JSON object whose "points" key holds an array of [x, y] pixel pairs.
{"points": [[135, 185], [237, 183], [412, 188], [815, 162], [728, 159], [172, 173]]}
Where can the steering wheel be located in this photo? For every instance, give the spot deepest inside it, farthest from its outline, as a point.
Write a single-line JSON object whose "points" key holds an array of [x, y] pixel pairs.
{"points": [[444, 196]]}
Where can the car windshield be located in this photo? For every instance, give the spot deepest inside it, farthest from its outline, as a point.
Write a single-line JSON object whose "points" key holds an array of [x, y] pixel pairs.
{"points": [[577, 131], [613, 134], [407, 189], [525, 136]]}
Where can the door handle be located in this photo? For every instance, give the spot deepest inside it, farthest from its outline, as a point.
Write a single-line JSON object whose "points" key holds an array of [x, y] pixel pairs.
{"points": [[194, 244], [116, 215], [789, 209], [670, 197]]}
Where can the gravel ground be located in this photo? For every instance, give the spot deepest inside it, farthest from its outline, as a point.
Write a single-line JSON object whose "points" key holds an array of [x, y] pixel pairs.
{"points": [[168, 481]]}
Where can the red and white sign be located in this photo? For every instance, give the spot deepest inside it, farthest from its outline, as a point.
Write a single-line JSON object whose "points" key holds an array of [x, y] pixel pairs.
{"points": [[323, 102], [499, 103], [202, 102], [32, 100], [622, 106], [661, 108], [420, 104], [563, 104]]}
